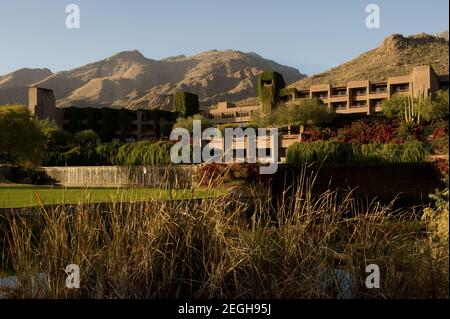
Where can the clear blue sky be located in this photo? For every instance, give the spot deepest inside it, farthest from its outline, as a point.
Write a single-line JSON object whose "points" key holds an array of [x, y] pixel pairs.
{"points": [[309, 35]]}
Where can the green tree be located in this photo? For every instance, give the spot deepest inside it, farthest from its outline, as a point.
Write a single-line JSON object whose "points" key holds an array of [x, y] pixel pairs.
{"points": [[53, 134], [86, 138], [187, 123], [185, 103], [21, 141], [394, 107], [307, 112], [413, 109], [437, 108], [269, 86]]}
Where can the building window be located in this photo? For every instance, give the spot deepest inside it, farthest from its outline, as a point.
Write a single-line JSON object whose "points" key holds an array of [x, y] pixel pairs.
{"points": [[228, 115], [443, 86], [376, 102], [358, 104], [320, 95], [339, 105], [379, 88], [339, 92], [398, 88], [303, 95], [360, 91]]}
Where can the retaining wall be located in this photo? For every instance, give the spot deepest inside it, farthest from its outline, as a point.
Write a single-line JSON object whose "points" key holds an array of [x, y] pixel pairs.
{"points": [[181, 176]]}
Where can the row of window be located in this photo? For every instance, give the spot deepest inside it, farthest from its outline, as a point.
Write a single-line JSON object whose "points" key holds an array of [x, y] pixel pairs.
{"points": [[229, 115], [374, 89], [356, 104]]}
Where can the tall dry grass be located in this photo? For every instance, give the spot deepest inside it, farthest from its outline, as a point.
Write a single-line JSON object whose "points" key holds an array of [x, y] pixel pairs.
{"points": [[225, 247]]}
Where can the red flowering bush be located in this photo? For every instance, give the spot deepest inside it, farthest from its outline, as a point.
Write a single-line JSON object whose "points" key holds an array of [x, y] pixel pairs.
{"points": [[386, 132], [442, 165], [408, 131], [365, 133], [439, 138], [316, 134]]}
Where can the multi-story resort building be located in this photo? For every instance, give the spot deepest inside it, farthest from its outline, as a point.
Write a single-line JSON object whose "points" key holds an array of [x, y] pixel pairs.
{"points": [[357, 97], [109, 123]]}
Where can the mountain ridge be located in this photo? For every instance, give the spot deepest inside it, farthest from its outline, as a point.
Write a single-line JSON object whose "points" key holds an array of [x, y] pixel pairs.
{"points": [[131, 80], [395, 56]]}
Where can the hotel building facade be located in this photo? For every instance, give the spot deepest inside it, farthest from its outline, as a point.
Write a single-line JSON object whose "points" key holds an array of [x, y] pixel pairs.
{"points": [[356, 97], [108, 123]]}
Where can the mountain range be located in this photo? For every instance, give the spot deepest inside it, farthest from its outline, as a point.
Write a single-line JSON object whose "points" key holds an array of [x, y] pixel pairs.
{"points": [[129, 79]]}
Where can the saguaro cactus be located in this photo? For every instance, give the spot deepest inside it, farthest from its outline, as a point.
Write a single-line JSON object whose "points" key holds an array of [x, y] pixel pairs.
{"points": [[412, 108]]}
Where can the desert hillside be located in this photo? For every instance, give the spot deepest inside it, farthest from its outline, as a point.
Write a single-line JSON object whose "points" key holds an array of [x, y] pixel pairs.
{"points": [[397, 55]]}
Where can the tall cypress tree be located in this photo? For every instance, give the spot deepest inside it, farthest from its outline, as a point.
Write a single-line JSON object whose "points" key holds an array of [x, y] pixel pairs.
{"points": [[185, 103]]}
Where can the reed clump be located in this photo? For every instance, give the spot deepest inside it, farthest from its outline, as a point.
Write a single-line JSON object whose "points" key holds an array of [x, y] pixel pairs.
{"points": [[225, 247]]}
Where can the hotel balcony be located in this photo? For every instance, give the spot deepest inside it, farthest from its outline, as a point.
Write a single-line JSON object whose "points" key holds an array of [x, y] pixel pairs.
{"points": [[358, 105], [339, 106], [335, 92], [320, 95], [379, 95], [401, 88], [378, 88], [342, 99], [302, 95]]}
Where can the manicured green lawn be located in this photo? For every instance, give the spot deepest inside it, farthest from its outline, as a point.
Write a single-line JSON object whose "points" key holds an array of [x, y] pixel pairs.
{"points": [[15, 196]]}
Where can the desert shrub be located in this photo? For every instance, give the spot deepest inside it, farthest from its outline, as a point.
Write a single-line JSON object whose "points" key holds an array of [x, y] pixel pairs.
{"points": [[413, 152], [319, 151], [367, 152], [336, 152], [437, 108], [393, 153], [422, 107]]}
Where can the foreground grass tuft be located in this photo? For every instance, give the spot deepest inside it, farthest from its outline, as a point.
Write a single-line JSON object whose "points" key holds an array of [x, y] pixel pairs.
{"points": [[226, 248]]}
